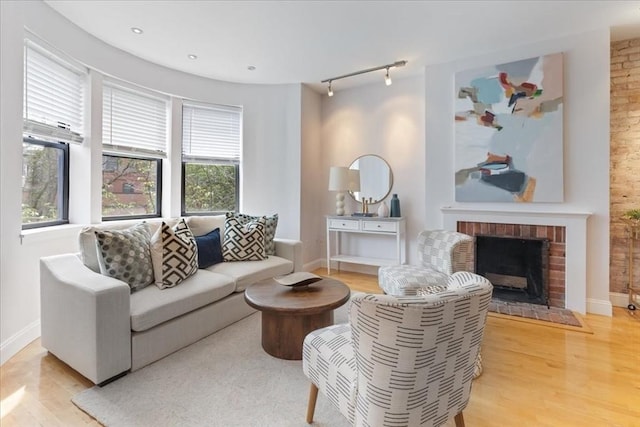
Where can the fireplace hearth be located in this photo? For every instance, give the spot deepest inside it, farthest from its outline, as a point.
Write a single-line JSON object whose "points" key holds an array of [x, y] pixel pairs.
{"points": [[517, 267]]}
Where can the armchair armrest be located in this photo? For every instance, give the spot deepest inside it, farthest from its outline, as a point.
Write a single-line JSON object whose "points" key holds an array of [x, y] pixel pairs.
{"points": [[291, 250], [85, 317]]}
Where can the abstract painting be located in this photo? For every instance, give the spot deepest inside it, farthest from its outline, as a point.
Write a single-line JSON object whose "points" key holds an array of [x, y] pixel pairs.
{"points": [[508, 132]]}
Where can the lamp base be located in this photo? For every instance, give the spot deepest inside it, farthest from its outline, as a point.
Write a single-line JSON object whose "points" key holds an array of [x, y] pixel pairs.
{"points": [[340, 204]]}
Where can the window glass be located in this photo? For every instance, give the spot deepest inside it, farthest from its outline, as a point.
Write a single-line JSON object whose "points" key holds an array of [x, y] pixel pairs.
{"points": [[44, 183], [210, 188], [130, 186]]}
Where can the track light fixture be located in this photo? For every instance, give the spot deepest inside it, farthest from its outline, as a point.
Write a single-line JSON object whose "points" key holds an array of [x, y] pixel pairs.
{"points": [[387, 78]]}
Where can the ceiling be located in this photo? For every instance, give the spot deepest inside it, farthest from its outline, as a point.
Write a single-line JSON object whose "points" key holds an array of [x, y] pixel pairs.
{"points": [[310, 41]]}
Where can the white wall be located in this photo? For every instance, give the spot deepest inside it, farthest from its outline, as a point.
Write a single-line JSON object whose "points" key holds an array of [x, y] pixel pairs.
{"points": [[586, 144], [387, 121], [272, 136]]}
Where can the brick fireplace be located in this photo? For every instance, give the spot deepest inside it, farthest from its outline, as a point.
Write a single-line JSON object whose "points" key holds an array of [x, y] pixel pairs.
{"points": [[555, 234], [567, 234]]}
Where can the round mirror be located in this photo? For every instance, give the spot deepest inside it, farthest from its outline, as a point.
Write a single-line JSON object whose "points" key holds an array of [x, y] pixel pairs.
{"points": [[376, 178]]}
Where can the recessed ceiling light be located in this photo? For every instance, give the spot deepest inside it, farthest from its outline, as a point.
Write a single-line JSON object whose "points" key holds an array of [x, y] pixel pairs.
{"points": [[137, 30], [192, 56], [251, 67]]}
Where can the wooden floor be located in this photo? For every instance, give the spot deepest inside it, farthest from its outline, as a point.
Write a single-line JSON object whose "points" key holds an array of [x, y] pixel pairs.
{"points": [[534, 375]]}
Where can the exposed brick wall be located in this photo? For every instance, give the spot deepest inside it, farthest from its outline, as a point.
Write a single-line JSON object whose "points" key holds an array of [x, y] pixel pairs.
{"points": [[624, 157], [557, 246]]}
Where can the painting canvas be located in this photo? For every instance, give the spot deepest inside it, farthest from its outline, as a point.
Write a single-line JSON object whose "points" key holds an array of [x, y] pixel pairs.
{"points": [[508, 132]]}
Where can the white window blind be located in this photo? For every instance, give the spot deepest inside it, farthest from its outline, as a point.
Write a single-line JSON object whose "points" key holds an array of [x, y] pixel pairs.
{"points": [[211, 132], [53, 96], [133, 122]]}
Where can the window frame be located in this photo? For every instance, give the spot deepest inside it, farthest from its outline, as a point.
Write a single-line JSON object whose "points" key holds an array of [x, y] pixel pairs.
{"points": [[230, 154], [63, 187], [158, 213]]}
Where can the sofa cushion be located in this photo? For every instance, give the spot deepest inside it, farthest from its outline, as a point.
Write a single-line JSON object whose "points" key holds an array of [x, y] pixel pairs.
{"points": [[201, 225], [209, 249], [246, 273], [152, 306], [243, 241], [269, 231], [125, 255], [174, 254]]}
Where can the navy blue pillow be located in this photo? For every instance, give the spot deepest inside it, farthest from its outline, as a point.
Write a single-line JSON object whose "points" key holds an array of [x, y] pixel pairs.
{"points": [[209, 249]]}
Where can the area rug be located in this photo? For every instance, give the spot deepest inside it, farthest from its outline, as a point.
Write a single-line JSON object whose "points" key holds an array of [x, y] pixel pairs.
{"points": [[225, 379]]}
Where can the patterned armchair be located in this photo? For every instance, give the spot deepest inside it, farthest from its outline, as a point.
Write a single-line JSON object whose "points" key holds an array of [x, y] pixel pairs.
{"points": [[441, 253], [401, 361]]}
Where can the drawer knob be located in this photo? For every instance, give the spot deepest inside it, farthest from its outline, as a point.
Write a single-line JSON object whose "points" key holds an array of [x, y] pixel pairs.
{"points": [[378, 225]]}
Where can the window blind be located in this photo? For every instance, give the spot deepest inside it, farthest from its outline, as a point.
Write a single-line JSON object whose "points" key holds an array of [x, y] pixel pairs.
{"points": [[133, 122], [53, 105], [211, 132]]}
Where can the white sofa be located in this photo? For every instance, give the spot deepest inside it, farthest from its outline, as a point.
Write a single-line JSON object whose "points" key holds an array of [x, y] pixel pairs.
{"points": [[94, 324]]}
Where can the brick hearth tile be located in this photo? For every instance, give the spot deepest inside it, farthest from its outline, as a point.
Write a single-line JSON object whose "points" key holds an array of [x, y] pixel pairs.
{"points": [[542, 316]]}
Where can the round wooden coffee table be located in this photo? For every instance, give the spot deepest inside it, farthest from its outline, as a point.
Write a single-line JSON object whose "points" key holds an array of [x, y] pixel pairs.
{"points": [[289, 314]]}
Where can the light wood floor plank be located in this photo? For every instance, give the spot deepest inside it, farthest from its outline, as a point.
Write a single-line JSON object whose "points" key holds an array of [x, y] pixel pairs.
{"points": [[534, 375]]}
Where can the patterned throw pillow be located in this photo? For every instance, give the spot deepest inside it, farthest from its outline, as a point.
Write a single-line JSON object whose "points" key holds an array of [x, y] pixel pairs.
{"points": [[174, 253], [243, 242], [269, 232], [125, 255]]}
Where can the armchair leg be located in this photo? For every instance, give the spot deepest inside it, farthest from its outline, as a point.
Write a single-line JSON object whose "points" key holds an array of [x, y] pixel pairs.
{"points": [[459, 419], [313, 396]]}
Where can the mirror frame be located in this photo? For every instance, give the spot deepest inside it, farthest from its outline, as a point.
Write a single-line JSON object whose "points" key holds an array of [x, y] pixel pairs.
{"points": [[351, 193]]}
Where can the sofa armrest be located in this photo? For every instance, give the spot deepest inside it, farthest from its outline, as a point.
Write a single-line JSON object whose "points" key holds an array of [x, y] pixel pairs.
{"points": [[85, 317], [291, 250]]}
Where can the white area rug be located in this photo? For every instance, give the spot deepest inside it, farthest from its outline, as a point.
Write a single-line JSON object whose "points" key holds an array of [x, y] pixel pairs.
{"points": [[225, 379]]}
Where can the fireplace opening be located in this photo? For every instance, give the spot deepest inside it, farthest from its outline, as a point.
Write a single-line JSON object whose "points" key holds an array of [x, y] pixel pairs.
{"points": [[517, 267]]}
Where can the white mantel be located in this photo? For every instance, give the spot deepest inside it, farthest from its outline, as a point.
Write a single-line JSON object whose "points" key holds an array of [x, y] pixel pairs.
{"points": [[575, 224]]}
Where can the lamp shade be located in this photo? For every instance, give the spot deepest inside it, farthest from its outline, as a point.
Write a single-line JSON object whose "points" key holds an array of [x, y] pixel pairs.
{"points": [[338, 178]]}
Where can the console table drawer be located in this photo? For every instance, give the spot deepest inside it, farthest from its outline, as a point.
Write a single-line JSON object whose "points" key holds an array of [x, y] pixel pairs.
{"points": [[389, 227], [344, 224]]}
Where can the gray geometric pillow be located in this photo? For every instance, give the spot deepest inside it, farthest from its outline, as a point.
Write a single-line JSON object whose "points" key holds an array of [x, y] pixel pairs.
{"points": [[269, 232], [243, 242], [125, 255], [174, 254]]}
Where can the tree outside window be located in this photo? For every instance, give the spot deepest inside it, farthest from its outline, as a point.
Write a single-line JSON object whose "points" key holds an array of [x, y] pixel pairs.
{"points": [[209, 188]]}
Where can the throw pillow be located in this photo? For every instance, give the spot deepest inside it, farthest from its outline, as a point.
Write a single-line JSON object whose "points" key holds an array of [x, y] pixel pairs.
{"points": [[243, 242], [174, 253], [269, 232], [209, 249], [125, 255]]}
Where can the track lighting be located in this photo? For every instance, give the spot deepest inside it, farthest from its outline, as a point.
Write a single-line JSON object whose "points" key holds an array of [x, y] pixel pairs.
{"points": [[387, 77]]}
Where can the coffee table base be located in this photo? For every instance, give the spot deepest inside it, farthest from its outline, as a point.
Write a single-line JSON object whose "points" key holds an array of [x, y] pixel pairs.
{"points": [[283, 334]]}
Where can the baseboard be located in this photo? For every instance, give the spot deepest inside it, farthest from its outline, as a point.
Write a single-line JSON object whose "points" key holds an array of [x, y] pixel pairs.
{"points": [[18, 341], [313, 265], [598, 306], [618, 299]]}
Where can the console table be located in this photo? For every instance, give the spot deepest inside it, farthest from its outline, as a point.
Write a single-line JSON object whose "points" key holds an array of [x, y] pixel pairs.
{"points": [[391, 227]]}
